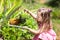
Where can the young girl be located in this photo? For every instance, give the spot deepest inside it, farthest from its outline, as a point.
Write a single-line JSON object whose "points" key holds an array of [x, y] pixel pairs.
{"points": [[45, 31]]}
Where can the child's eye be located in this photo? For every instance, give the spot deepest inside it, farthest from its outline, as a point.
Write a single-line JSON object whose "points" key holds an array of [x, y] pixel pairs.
{"points": [[45, 15], [41, 14]]}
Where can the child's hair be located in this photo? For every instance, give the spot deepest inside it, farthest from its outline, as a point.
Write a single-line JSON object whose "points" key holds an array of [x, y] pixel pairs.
{"points": [[44, 15]]}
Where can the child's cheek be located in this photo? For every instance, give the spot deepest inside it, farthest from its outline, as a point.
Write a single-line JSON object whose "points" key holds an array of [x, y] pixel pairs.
{"points": [[40, 19]]}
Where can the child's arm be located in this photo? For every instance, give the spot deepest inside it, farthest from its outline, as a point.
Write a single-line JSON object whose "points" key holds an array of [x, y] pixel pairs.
{"points": [[34, 31], [33, 15]]}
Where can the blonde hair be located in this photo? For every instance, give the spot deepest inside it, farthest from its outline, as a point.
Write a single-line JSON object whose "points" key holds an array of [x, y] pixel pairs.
{"points": [[44, 15]]}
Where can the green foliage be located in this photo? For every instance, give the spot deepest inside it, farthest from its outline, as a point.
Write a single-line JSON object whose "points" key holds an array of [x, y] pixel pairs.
{"points": [[29, 1], [56, 13], [11, 33], [54, 3], [12, 9]]}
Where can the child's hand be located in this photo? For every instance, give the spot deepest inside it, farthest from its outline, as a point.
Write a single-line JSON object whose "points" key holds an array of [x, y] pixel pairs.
{"points": [[25, 10]]}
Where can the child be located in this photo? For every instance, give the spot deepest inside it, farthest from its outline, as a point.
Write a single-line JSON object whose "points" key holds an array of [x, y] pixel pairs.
{"points": [[45, 31]]}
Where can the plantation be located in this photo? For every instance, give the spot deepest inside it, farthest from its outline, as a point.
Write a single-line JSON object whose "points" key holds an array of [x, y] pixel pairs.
{"points": [[11, 10]]}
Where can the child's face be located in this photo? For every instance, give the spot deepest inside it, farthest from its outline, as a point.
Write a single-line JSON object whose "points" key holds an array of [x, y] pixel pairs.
{"points": [[39, 16]]}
